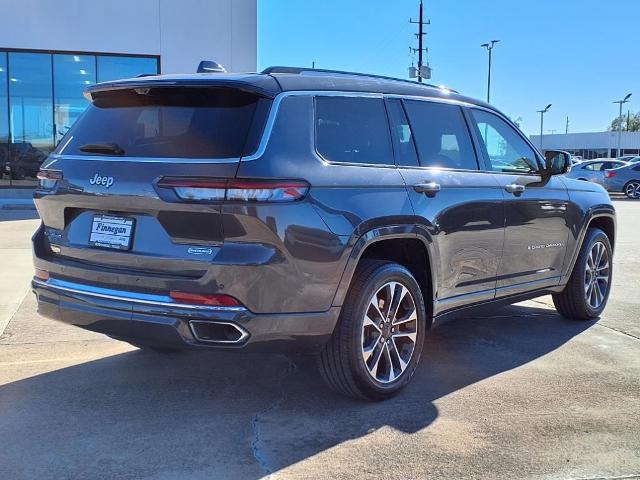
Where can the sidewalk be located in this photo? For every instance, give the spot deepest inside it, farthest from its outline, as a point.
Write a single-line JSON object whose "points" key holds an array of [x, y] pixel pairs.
{"points": [[15, 258]]}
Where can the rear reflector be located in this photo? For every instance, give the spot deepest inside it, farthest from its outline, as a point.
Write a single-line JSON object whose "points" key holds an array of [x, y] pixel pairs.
{"points": [[609, 174], [42, 274], [49, 178], [211, 190], [202, 299]]}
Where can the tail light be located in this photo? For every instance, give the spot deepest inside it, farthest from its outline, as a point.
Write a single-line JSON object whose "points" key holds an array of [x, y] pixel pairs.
{"points": [[213, 190], [609, 174], [203, 299], [49, 178]]}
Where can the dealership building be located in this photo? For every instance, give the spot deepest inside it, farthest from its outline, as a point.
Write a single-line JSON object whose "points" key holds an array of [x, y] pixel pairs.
{"points": [[51, 51], [591, 145]]}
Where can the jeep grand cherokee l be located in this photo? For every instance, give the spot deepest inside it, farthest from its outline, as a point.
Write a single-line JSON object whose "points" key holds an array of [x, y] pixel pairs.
{"points": [[310, 211]]}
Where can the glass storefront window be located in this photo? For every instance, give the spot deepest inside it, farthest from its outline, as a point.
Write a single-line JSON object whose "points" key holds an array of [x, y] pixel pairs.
{"points": [[71, 75], [115, 68], [41, 96], [30, 112], [4, 116], [4, 101]]}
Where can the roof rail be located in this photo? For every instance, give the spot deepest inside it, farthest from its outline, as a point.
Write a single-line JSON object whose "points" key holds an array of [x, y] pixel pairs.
{"points": [[302, 70]]}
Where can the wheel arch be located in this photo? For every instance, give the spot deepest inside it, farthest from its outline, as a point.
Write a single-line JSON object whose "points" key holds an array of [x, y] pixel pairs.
{"points": [[400, 244], [602, 217]]}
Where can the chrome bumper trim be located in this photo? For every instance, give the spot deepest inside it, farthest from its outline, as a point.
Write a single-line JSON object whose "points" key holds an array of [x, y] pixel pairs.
{"points": [[126, 296]]}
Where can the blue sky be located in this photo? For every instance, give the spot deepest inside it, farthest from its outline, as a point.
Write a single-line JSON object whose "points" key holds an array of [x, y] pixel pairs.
{"points": [[579, 55]]}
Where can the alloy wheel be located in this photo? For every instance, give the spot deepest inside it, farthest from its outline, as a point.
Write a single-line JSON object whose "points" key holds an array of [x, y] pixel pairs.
{"points": [[389, 332], [596, 277], [632, 190]]}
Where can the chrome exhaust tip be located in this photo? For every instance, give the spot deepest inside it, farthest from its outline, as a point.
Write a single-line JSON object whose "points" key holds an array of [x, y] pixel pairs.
{"points": [[212, 331]]}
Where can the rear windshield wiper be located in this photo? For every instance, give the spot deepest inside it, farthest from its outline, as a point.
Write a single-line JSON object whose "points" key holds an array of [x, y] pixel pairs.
{"points": [[102, 148]]}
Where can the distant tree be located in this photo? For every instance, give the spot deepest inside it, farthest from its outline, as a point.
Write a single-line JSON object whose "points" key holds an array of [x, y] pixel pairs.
{"points": [[618, 122]]}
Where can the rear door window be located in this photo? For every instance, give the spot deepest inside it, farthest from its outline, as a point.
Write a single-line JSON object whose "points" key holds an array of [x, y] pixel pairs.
{"points": [[401, 134], [441, 135], [170, 122], [353, 130]]}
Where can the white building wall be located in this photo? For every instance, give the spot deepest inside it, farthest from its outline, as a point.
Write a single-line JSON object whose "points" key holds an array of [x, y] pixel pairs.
{"points": [[182, 32], [588, 141]]}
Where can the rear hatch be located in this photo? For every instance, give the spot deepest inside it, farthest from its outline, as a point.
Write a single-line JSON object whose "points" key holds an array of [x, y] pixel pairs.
{"points": [[102, 200]]}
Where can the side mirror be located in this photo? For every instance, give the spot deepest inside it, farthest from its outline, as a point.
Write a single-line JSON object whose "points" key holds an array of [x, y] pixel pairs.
{"points": [[557, 163]]}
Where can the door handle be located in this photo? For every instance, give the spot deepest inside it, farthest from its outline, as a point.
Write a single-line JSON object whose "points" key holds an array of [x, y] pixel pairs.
{"points": [[428, 188], [514, 188]]}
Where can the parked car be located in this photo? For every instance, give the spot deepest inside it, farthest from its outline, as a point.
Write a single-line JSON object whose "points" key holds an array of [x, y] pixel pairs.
{"points": [[20, 160], [629, 158], [5, 169], [625, 179], [594, 170], [335, 214]]}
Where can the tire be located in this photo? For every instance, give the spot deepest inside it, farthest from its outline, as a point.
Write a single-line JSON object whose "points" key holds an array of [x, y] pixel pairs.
{"points": [[342, 363], [576, 302], [155, 348], [632, 189]]}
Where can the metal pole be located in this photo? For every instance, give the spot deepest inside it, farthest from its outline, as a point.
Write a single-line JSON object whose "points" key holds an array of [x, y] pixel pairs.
{"points": [[541, 123], [620, 131], [620, 103], [489, 77], [420, 45]]}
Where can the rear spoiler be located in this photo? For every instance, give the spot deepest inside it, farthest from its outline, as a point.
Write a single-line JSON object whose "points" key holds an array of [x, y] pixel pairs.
{"points": [[151, 82]]}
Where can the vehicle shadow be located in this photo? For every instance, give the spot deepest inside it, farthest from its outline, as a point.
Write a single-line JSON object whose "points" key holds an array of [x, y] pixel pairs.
{"points": [[228, 415]]}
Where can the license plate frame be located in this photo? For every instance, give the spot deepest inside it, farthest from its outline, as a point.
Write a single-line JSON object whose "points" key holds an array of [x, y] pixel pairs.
{"points": [[111, 232]]}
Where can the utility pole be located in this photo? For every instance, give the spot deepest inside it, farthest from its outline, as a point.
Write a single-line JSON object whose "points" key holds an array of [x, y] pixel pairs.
{"points": [[621, 102], [421, 33], [628, 118], [489, 47], [566, 128], [542, 112]]}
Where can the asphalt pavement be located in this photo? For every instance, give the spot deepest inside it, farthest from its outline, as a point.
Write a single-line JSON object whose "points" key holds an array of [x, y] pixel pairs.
{"points": [[512, 392]]}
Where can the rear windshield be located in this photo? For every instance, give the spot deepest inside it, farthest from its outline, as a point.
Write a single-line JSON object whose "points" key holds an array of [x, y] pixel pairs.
{"points": [[170, 122]]}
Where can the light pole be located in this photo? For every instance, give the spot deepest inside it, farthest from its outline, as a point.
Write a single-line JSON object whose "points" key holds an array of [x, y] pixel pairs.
{"points": [[489, 47], [542, 112], [621, 102]]}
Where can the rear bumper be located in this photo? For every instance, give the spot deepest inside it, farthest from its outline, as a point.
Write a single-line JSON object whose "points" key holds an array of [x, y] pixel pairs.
{"points": [[155, 319]]}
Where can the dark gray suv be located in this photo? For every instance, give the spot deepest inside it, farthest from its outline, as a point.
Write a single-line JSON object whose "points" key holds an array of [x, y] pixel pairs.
{"points": [[307, 211]]}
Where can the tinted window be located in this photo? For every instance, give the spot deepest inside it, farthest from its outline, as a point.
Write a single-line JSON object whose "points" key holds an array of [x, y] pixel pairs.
{"points": [[441, 135], [505, 148], [594, 166], [353, 130], [401, 136], [167, 122]]}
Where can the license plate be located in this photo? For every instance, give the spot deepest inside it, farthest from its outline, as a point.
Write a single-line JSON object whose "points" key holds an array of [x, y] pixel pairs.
{"points": [[108, 231]]}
